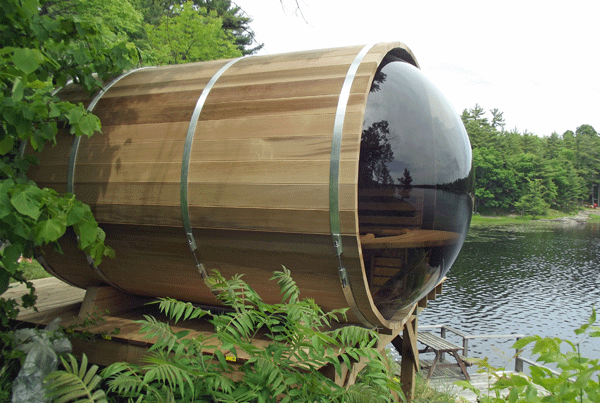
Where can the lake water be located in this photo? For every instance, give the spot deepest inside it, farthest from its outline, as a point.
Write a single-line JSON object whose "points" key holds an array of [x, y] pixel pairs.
{"points": [[541, 279]]}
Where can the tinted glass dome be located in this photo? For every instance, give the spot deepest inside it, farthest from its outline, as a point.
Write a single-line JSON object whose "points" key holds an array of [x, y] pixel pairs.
{"points": [[414, 188]]}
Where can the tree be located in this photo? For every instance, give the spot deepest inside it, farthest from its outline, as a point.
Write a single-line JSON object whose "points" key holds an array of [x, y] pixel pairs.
{"points": [[119, 18], [189, 35], [495, 181], [375, 155], [43, 45], [532, 202], [234, 21], [497, 119]]}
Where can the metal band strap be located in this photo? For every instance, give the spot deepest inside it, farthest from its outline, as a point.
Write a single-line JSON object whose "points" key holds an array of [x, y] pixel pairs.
{"points": [[334, 178], [185, 165], [90, 108], [73, 159]]}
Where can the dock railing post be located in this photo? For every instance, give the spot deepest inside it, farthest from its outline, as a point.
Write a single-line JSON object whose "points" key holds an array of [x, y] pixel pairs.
{"points": [[518, 361]]}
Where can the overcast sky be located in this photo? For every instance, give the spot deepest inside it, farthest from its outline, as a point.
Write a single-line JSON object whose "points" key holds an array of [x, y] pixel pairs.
{"points": [[536, 61]]}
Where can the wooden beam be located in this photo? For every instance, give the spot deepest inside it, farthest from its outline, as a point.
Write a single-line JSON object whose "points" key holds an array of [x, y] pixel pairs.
{"points": [[106, 299], [431, 295], [410, 358], [439, 289]]}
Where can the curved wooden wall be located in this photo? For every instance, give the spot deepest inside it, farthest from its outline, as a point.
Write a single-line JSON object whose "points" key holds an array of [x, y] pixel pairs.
{"points": [[259, 177]]}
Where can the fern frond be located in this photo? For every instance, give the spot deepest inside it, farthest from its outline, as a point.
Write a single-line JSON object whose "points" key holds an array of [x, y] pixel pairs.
{"points": [[77, 383], [242, 324], [360, 393], [178, 310], [235, 293], [287, 286], [166, 370], [152, 328], [355, 336], [125, 379]]}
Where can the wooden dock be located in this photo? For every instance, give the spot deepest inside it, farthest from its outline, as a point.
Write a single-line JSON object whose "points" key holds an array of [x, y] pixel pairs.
{"points": [[446, 382]]}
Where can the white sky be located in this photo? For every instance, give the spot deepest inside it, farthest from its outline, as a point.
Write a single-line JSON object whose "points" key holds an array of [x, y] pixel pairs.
{"points": [[536, 61]]}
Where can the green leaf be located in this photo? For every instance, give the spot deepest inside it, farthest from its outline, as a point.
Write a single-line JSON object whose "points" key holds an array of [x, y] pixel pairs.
{"points": [[28, 201], [27, 60], [49, 230], [17, 90], [75, 214], [6, 207], [88, 124], [10, 257], [6, 144], [592, 318], [86, 228], [519, 344], [4, 280]]}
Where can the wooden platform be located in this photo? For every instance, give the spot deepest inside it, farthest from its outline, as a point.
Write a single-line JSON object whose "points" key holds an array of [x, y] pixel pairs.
{"points": [[102, 347], [57, 299]]}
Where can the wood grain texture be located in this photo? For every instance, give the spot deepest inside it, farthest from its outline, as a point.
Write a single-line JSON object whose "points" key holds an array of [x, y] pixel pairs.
{"points": [[258, 186]]}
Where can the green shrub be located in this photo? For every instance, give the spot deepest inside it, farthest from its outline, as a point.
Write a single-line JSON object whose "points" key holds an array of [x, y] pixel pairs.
{"points": [[282, 369], [577, 378]]}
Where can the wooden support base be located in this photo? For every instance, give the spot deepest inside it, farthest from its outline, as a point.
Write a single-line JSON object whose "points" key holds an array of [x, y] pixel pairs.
{"points": [[409, 365], [106, 300], [57, 299]]}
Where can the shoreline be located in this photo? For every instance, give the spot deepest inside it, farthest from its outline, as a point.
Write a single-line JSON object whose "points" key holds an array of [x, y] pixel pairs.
{"points": [[581, 217]]}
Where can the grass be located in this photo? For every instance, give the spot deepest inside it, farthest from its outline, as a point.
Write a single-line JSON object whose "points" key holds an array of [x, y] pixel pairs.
{"points": [[32, 270], [426, 394], [478, 220], [595, 217], [512, 219]]}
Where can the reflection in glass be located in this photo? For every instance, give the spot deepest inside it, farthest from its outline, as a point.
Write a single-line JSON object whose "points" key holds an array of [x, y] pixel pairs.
{"points": [[414, 186]]}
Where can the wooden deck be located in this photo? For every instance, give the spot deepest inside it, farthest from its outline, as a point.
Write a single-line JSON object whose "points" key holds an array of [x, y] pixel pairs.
{"points": [[57, 299], [445, 382]]}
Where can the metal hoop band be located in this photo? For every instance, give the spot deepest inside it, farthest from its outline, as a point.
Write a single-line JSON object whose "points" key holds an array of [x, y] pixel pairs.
{"points": [[185, 166], [73, 160], [334, 178]]}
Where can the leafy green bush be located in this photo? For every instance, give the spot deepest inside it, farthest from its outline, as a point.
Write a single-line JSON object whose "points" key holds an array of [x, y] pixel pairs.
{"points": [[282, 368], [577, 378]]}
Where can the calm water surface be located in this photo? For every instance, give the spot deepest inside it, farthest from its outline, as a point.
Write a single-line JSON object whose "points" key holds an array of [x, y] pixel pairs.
{"points": [[541, 279]]}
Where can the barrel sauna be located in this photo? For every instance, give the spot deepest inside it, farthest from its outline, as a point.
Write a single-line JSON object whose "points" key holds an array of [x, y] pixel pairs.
{"points": [[347, 166]]}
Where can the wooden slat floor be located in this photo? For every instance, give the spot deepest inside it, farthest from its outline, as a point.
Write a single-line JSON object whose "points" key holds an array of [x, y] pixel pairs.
{"points": [[55, 298]]}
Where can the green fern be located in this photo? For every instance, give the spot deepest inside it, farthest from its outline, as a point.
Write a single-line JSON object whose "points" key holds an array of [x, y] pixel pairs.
{"points": [[173, 373], [126, 380], [286, 369], [178, 310], [287, 286], [77, 383]]}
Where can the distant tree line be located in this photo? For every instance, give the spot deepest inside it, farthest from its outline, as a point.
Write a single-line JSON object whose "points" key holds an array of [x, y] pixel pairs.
{"points": [[527, 174]]}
